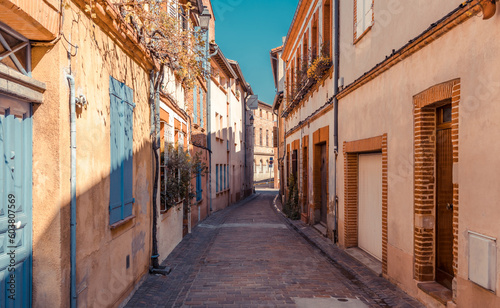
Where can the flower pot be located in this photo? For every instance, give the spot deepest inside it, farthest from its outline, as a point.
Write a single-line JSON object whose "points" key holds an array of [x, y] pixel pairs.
{"points": [[489, 9]]}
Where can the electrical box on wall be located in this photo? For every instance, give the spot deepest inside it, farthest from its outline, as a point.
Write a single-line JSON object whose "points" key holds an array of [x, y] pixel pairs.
{"points": [[482, 260]]}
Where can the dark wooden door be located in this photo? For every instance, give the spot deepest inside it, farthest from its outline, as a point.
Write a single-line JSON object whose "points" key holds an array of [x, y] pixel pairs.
{"points": [[324, 182], [305, 180], [444, 205]]}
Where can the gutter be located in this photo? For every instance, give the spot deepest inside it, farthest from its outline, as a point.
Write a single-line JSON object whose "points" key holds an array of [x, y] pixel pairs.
{"points": [[72, 102], [336, 114]]}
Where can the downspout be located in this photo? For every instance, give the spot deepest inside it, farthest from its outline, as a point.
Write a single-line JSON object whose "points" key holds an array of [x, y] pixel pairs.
{"points": [[209, 131], [336, 116], [278, 149], [72, 103], [246, 141]]}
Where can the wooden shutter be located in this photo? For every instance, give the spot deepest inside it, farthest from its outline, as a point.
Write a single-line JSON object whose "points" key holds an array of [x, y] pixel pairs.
{"points": [[121, 151], [217, 178], [195, 104], [275, 136], [201, 107]]}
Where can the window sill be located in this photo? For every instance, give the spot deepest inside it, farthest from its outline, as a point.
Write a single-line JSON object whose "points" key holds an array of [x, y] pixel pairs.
{"points": [[362, 35], [122, 222]]}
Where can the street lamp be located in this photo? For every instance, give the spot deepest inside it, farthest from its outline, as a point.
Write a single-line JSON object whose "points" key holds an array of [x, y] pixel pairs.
{"points": [[251, 119], [205, 19]]}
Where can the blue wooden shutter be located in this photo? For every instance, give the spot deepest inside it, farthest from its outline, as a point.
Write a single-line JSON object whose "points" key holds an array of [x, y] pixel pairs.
{"points": [[198, 185], [220, 179], [225, 182], [121, 148], [195, 104], [115, 197], [128, 162], [201, 106], [217, 178]]}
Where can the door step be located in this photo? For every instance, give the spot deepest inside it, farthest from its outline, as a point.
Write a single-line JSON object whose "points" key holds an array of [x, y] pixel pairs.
{"points": [[320, 228]]}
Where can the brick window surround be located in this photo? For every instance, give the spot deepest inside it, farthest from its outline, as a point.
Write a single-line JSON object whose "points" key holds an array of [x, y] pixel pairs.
{"points": [[320, 137], [351, 153], [425, 104]]}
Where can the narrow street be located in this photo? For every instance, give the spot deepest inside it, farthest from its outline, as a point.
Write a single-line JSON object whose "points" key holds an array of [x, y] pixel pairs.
{"points": [[247, 255]]}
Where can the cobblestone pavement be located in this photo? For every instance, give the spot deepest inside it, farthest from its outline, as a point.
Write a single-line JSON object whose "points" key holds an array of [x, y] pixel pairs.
{"points": [[248, 255]]}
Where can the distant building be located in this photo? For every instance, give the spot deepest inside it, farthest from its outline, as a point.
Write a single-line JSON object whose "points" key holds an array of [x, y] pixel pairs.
{"points": [[264, 123], [278, 68]]}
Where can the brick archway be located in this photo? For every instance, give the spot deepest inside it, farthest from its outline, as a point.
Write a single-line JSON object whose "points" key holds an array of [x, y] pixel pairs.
{"points": [[425, 104]]}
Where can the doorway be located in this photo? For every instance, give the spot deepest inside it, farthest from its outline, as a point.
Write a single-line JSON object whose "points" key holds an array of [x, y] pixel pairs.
{"points": [[324, 181], [370, 204], [16, 205], [444, 197]]}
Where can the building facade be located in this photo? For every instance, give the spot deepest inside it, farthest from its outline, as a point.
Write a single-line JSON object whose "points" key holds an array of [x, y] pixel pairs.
{"points": [[416, 128], [229, 142], [308, 113], [264, 158], [278, 69], [79, 119]]}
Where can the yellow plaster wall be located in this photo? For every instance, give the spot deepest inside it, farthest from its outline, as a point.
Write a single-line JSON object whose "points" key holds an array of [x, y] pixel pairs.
{"points": [[101, 275]]}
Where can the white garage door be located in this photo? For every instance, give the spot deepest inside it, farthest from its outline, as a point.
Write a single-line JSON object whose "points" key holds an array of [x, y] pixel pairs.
{"points": [[370, 204]]}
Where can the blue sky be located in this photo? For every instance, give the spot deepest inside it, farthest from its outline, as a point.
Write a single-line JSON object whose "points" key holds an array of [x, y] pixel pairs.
{"points": [[246, 30]]}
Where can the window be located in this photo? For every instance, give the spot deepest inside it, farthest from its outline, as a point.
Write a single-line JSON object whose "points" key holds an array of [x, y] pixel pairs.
{"points": [[267, 138], [201, 106], [327, 26], [314, 38], [216, 178], [195, 103], [363, 17], [221, 125], [220, 177], [217, 128], [121, 144], [199, 190], [225, 183], [260, 112], [261, 166]]}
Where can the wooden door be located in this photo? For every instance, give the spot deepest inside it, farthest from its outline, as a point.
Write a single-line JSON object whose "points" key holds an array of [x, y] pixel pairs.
{"points": [[444, 198], [305, 180], [324, 182], [370, 204], [15, 203]]}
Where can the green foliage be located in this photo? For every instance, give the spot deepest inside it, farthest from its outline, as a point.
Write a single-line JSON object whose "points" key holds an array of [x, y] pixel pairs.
{"points": [[180, 168], [291, 207]]}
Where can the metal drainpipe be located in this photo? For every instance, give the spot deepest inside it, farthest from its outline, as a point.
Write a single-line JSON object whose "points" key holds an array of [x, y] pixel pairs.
{"points": [[72, 103], [209, 131], [278, 149], [336, 116], [246, 141]]}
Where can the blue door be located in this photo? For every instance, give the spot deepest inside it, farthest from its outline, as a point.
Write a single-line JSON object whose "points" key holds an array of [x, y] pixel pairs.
{"points": [[15, 203]]}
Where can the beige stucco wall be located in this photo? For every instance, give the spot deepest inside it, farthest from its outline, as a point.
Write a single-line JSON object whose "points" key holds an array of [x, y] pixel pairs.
{"points": [[395, 23], [101, 275], [384, 105]]}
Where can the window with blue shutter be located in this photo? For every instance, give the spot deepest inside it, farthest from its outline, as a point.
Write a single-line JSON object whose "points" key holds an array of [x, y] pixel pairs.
{"points": [[121, 149], [217, 178], [220, 179], [201, 107], [198, 185], [195, 104]]}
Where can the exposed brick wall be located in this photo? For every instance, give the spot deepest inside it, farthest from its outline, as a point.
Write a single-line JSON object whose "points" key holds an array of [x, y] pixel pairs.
{"points": [[425, 105], [351, 180]]}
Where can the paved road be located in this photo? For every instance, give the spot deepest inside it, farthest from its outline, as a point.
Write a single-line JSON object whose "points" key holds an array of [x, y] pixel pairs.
{"points": [[246, 256]]}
